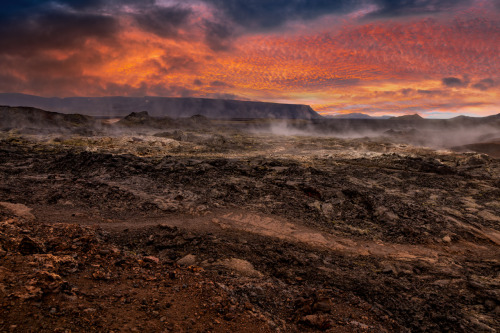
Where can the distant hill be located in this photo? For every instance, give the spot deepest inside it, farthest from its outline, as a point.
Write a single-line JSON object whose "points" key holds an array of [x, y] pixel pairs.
{"points": [[357, 116], [22, 117], [493, 117], [162, 106], [409, 117]]}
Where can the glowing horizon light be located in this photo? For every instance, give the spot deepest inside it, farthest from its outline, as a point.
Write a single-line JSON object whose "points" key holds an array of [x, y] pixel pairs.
{"points": [[362, 59]]}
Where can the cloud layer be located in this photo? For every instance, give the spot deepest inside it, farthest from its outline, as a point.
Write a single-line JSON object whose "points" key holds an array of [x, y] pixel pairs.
{"points": [[372, 56]]}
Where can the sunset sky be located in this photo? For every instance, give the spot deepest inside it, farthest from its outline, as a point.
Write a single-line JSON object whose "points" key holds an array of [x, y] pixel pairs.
{"points": [[379, 57]]}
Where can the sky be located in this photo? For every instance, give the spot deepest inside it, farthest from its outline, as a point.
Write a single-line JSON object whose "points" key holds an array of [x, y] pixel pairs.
{"points": [[378, 57]]}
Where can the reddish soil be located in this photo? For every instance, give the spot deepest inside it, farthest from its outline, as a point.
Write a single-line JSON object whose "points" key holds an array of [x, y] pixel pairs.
{"points": [[226, 232]]}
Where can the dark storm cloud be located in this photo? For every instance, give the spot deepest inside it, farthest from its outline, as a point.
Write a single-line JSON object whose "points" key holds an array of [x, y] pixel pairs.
{"points": [[407, 91], [454, 82], [23, 7], [264, 14], [53, 30], [163, 21], [218, 36], [431, 92], [225, 96], [80, 4], [485, 84], [396, 8], [400, 108], [423, 92], [176, 63], [30, 26], [220, 84], [103, 4]]}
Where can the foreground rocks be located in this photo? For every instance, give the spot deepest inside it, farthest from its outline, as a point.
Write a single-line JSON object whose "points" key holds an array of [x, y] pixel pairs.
{"points": [[326, 235], [395, 197], [88, 278], [84, 282]]}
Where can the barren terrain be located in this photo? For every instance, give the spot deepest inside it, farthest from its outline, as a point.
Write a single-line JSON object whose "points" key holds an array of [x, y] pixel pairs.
{"points": [[222, 226]]}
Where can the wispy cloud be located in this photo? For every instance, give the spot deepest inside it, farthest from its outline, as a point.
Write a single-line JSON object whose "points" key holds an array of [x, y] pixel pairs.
{"points": [[378, 56]]}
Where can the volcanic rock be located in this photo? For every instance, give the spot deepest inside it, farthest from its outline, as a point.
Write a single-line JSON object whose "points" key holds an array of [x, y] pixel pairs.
{"points": [[187, 260], [29, 246]]}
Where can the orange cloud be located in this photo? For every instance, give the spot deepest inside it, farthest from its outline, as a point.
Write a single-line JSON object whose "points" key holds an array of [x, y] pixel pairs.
{"points": [[378, 67]]}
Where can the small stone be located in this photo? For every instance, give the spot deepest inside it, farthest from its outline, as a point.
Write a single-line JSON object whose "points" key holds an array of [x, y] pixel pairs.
{"points": [[188, 260], [240, 266], [447, 239], [317, 321], [229, 316], [323, 305], [70, 298], [496, 311], [152, 259], [441, 283], [482, 327], [490, 304], [3, 253], [29, 246], [389, 269], [360, 325]]}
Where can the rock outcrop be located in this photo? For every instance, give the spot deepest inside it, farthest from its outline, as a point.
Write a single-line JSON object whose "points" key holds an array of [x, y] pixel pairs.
{"points": [[163, 106]]}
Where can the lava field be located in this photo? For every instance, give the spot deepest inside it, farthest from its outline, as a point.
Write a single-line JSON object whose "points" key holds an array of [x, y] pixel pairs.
{"points": [[211, 226]]}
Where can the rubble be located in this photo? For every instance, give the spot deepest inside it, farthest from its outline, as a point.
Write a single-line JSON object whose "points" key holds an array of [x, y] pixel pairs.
{"points": [[245, 232]]}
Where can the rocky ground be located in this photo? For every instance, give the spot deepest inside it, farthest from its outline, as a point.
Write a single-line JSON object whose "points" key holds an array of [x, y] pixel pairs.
{"points": [[143, 229]]}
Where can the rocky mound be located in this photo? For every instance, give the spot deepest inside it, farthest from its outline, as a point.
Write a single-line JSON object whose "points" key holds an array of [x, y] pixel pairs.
{"points": [[70, 278], [143, 119], [491, 148], [32, 118], [410, 117]]}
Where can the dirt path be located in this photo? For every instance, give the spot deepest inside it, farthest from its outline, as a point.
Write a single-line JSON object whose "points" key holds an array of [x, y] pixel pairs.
{"points": [[224, 221]]}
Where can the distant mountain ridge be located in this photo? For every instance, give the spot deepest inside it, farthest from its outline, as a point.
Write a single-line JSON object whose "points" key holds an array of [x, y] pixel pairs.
{"points": [[357, 115], [175, 107], [410, 118]]}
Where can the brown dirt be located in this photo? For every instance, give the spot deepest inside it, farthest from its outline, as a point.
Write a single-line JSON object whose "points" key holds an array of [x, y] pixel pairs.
{"points": [[322, 234]]}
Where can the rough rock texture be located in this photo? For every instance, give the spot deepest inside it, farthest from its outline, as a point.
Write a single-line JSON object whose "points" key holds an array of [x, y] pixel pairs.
{"points": [[282, 233]]}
